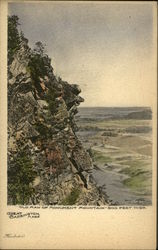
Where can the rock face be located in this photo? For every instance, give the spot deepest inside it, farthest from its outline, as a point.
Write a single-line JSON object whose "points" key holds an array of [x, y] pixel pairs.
{"points": [[47, 163]]}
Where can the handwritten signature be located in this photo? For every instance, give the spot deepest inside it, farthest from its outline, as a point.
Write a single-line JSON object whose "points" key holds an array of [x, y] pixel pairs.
{"points": [[14, 235]]}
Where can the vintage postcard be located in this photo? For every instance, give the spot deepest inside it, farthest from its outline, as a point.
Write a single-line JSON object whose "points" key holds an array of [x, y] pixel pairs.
{"points": [[78, 124]]}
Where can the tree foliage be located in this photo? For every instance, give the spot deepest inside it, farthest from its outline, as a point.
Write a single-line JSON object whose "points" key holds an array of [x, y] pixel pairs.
{"points": [[39, 65], [51, 99], [13, 36], [39, 48], [71, 199], [20, 178]]}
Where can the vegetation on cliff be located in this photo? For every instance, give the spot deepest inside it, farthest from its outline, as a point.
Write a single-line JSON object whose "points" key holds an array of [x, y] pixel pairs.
{"points": [[47, 163], [13, 37], [20, 177]]}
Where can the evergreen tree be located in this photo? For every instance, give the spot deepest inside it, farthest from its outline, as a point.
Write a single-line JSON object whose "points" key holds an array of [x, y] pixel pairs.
{"points": [[20, 177], [13, 36]]}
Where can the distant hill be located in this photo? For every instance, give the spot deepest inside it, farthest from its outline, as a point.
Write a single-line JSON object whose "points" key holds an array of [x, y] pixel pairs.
{"points": [[143, 115], [90, 114]]}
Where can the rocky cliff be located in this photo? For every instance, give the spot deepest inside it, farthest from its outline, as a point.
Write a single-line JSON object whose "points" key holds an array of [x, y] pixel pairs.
{"points": [[47, 163]]}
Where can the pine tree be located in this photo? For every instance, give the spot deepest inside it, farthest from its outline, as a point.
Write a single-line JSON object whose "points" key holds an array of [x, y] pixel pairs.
{"points": [[13, 36]]}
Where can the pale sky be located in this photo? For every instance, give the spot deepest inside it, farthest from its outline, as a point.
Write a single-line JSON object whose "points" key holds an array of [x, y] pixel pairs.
{"points": [[105, 47]]}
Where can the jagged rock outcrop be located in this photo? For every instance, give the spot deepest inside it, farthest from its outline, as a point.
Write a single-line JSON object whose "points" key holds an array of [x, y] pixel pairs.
{"points": [[47, 163]]}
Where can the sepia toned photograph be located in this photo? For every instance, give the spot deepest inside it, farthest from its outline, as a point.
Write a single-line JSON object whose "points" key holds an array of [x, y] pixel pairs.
{"points": [[79, 112]]}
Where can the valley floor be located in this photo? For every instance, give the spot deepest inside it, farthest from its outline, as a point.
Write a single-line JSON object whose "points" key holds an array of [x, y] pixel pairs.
{"points": [[122, 155]]}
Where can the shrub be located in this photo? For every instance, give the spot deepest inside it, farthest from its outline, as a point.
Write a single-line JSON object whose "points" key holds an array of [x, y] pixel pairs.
{"points": [[39, 65], [40, 128], [72, 197], [50, 98], [20, 178]]}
